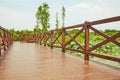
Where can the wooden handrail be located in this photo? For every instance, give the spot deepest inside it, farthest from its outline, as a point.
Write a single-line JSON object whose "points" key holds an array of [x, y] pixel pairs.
{"points": [[6, 39], [53, 37]]}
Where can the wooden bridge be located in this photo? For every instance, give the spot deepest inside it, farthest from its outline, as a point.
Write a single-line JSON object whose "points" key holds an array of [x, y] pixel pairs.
{"points": [[31, 61]]}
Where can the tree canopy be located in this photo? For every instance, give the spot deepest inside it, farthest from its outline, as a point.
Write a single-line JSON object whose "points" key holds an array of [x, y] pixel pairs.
{"points": [[63, 16], [57, 21], [42, 16]]}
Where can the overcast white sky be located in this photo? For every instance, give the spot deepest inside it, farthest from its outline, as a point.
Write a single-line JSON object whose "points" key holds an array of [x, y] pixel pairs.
{"points": [[20, 14]]}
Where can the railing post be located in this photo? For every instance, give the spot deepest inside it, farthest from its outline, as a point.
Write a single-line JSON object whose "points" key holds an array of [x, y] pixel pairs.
{"points": [[36, 41], [63, 40], [86, 55], [0, 45], [37, 38], [41, 38], [4, 39], [51, 42], [7, 39], [11, 38], [45, 39], [8, 35]]}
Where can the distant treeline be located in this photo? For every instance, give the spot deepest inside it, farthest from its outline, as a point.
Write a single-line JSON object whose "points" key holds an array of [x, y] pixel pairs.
{"points": [[17, 33]]}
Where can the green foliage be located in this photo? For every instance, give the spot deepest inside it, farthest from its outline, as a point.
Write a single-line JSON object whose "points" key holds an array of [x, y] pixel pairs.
{"points": [[57, 21], [73, 31], [107, 49], [17, 33], [16, 37], [36, 29], [111, 32], [26, 31], [0, 31], [42, 15], [63, 16]]}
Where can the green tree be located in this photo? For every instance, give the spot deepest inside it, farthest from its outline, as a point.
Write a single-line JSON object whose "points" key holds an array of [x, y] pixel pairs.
{"points": [[26, 31], [63, 16], [36, 29], [42, 16], [16, 38], [12, 30], [57, 23]]}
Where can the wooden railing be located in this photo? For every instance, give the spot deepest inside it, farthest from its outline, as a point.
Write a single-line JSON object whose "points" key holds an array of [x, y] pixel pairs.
{"points": [[59, 36], [6, 39], [27, 38]]}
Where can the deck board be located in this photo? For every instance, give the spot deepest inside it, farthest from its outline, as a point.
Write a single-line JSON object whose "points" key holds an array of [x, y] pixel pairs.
{"points": [[29, 61]]}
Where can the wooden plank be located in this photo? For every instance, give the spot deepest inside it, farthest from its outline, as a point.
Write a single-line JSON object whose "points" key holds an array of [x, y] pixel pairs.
{"points": [[102, 21], [105, 57], [28, 61]]}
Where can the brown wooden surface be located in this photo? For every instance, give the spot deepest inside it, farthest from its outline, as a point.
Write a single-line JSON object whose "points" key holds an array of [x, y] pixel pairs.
{"points": [[29, 61]]}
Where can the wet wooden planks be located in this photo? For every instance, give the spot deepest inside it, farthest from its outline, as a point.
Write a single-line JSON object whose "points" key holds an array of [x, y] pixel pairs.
{"points": [[29, 61]]}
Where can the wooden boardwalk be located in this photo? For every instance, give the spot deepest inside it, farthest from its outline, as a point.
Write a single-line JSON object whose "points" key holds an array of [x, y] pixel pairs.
{"points": [[29, 61]]}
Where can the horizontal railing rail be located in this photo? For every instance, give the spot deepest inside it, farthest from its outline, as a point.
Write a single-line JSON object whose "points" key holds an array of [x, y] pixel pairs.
{"points": [[57, 38]]}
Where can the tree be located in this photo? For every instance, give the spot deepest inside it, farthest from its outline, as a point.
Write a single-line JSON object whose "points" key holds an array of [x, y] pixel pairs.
{"points": [[63, 16], [16, 36], [36, 29], [42, 16], [57, 22], [12, 30]]}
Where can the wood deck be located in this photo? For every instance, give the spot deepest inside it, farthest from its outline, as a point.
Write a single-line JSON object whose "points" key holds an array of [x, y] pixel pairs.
{"points": [[29, 61]]}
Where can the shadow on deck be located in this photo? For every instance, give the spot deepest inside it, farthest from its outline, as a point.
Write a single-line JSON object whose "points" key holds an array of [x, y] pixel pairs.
{"points": [[29, 61]]}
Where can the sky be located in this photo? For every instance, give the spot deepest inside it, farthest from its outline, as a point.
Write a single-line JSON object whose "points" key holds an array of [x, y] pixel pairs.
{"points": [[20, 14]]}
